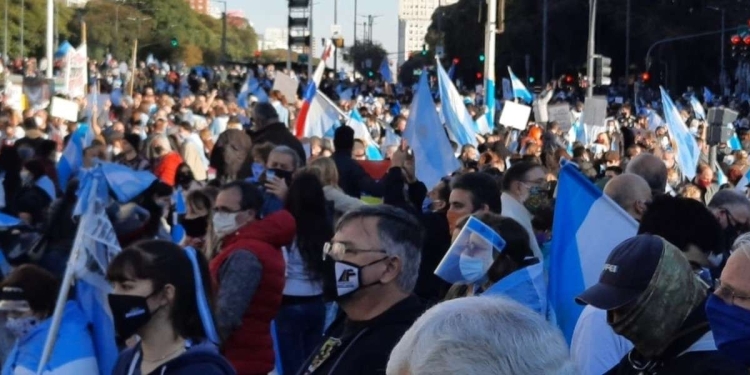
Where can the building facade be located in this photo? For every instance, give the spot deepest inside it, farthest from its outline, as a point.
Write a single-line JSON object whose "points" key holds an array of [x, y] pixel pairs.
{"points": [[200, 6], [414, 17]]}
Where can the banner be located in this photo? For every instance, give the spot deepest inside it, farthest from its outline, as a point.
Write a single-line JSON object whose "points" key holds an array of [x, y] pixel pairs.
{"points": [[76, 73]]}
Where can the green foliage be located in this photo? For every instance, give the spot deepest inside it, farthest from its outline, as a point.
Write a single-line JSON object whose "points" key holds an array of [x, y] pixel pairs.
{"points": [[113, 26], [461, 28], [363, 51]]}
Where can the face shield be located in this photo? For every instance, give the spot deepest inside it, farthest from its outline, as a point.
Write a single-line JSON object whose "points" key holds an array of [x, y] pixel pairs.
{"points": [[471, 254]]}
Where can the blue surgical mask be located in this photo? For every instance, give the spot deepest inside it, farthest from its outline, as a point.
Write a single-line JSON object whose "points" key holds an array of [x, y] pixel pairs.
{"points": [[731, 329], [473, 269], [258, 169]]}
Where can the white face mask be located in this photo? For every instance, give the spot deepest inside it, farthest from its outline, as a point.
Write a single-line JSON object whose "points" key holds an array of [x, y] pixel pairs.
{"points": [[225, 223], [25, 176]]}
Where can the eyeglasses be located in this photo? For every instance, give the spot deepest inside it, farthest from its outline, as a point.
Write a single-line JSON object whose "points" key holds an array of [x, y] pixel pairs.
{"points": [[337, 250], [542, 184], [726, 293]]}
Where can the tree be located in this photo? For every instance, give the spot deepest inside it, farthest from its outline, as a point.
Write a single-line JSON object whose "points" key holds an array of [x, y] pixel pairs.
{"points": [[192, 55], [363, 53], [35, 26]]}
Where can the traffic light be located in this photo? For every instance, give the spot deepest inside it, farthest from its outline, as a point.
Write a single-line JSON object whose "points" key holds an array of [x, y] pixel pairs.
{"points": [[531, 80], [602, 71], [370, 74], [481, 57], [645, 77], [568, 79], [174, 42], [479, 75], [456, 61]]}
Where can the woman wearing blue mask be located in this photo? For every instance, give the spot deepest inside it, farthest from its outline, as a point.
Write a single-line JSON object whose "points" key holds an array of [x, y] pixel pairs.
{"points": [[511, 271]]}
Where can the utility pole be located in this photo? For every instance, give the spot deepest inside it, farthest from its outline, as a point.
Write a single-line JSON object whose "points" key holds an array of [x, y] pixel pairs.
{"points": [[627, 41], [354, 42], [590, 53], [5, 34], [545, 22], [723, 72], [489, 61], [224, 34], [312, 41], [23, 14], [336, 22]]}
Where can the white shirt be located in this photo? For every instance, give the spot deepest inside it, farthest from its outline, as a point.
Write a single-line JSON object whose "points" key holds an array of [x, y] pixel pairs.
{"points": [[299, 282], [516, 211], [595, 347]]}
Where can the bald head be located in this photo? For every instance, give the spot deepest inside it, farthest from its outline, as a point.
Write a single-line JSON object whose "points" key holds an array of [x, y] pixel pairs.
{"points": [[631, 192], [652, 169]]}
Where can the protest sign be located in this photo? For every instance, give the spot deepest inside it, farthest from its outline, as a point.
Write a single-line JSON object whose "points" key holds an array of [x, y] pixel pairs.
{"points": [[560, 113], [64, 109], [515, 115], [287, 86]]}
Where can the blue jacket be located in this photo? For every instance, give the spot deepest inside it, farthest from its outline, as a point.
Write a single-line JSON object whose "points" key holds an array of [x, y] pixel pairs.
{"points": [[202, 358], [73, 353]]}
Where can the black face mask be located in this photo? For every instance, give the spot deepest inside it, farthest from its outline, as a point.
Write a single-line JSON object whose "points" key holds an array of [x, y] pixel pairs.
{"points": [[280, 173], [130, 313], [196, 227]]}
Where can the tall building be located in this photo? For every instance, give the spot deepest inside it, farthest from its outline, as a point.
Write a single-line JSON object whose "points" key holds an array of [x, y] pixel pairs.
{"points": [[200, 6], [414, 17], [274, 38]]}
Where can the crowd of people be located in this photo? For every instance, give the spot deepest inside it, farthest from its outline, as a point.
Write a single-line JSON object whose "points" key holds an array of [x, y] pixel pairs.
{"points": [[301, 256]]}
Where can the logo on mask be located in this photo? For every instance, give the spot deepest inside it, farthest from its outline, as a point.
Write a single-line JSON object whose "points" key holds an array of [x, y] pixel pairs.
{"points": [[134, 312], [344, 278]]}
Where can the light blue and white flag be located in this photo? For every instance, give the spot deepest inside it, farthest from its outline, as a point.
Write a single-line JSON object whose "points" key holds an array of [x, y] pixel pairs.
{"points": [[526, 286], [251, 87], [357, 123], [94, 247], [734, 142], [708, 96], [124, 182], [654, 120], [433, 153], [519, 89], [71, 160], [721, 178], [8, 221], [698, 110], [587, 226], [180, 208], [457, 117], [385, 71], [688, 152]]}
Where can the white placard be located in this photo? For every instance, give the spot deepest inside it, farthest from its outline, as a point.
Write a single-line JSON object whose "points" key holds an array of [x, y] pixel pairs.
{"points": [[14, 96], [515, 115], [560, 113], [64, 109], [595, 110], [287, 86]]}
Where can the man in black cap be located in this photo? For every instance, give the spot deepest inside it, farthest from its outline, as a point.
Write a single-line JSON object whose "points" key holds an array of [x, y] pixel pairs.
{"points": [[130, 156], [654, 299]]}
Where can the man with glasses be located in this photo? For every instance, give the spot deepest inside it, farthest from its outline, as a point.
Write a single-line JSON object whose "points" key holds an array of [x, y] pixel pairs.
{"points": [[732, 209], [524, 183], [728, 309], [249, 270], [654, 299], [374, 255]]}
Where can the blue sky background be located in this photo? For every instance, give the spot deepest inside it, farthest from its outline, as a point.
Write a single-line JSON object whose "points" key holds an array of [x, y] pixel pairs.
{"points": [[273, 13]]}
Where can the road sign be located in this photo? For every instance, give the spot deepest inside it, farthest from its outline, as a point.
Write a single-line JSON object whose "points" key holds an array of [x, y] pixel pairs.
{"points": [[335, 30]]}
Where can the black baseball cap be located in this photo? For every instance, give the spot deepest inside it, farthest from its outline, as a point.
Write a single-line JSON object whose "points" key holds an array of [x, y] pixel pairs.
{"points": [[626, 274]]}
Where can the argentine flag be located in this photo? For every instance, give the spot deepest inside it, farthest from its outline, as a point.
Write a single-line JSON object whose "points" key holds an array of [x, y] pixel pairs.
{"points": [[519, 89], [433, 153], [251, 87], [688, 152], [95, 245], [71, 160], [587, 226], [385, 71], [457, 117], [698, 110], [357, 123]]}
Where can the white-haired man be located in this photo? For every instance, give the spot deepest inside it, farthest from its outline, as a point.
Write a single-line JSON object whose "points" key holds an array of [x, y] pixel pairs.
{"points": [[481, 335]]}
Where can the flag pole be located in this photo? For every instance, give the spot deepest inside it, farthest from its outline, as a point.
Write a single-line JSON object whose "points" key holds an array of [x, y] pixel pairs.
{"points": [[62, 296], [132, 76], [50, 36]]}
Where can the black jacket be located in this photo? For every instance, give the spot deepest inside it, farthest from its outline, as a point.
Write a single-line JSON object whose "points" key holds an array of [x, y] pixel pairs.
{"points": [[278, 134], [353, 179], [363, 348]]}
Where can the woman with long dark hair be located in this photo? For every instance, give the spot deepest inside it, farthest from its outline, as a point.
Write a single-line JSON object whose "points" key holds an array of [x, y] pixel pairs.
{"points": [[163, 294], [301, 320]]}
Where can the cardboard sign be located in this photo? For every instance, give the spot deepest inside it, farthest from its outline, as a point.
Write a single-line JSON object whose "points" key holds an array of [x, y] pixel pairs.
{"points": [[540, 112], [595, 110], [515, 115], [287, 86], [64, 109], [560, 113]]}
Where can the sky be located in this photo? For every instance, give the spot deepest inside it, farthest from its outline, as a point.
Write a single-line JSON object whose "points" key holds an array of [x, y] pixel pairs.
{"points": [[263, 14]]}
